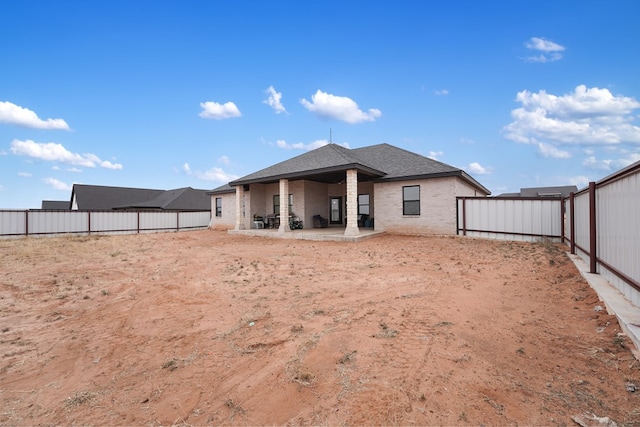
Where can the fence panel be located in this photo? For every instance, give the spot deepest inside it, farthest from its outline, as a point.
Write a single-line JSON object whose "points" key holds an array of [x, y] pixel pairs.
{"points": [[523, 219], [581, 223], [57, 222], [158, 221], [114, 222], [618, 233], [13, 223], [191, 220]]}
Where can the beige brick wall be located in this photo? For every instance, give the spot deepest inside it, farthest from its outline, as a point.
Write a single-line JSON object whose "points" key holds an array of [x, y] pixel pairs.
{"points": [[437, 206], [228, 219]]}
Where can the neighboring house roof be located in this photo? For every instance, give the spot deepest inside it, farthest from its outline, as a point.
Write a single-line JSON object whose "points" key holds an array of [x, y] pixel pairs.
{"points": [[97, 197], [179, 199], [56, 205], [382, 162], [558, 191]]}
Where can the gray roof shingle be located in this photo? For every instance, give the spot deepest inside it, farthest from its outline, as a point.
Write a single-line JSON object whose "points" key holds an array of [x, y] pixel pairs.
{"points": [[97, 197], [382, 162]]}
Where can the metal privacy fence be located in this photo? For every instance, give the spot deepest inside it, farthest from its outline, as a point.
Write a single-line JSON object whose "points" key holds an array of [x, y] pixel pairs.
{"points": [[19, 223], [601, 223], [604, 229], [513, 218]]}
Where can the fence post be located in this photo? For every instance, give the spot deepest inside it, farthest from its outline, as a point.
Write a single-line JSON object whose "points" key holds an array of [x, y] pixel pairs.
{"points": [[592, 229], [177, 220], [138, 222], [572, 225], [89, 222], [562, 215], [464, 216], [26, 223]]}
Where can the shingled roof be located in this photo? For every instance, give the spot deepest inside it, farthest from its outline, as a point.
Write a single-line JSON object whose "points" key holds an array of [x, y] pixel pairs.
{"points": [[97, 197], [380, 163]]}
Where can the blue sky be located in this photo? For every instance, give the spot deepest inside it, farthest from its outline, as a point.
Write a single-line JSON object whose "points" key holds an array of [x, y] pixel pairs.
{"points": [[169, 94]]}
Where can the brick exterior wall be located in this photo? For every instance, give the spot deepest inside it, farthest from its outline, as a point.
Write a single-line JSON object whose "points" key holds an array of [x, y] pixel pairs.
{"points": [[228, 219], [437, 206]]}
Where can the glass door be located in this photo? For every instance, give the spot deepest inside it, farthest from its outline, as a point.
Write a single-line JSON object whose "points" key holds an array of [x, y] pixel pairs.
{"points": [[335, 210]]}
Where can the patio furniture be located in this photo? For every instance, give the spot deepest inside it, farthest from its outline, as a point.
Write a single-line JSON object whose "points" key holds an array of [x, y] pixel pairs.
{"points": [[320, 222]]}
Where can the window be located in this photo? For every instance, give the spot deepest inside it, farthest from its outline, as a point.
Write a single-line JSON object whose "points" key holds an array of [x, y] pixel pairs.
{"points": [[218, 206], [276, 204], [411, 200], [363, 204]]}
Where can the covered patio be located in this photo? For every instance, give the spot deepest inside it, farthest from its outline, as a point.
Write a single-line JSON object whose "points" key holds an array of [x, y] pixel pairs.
{"points": [[336, 234]]}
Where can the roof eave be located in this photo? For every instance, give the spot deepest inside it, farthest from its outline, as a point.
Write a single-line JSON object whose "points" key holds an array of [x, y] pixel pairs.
{"points": [[459, 173]]}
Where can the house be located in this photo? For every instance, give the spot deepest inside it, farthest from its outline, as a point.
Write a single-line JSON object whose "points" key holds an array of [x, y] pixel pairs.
{"points": [[97, 197], [380, 186], [559, 191]]}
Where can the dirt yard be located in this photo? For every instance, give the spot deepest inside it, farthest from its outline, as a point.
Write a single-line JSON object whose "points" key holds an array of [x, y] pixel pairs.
{"points": [[204, 328]]}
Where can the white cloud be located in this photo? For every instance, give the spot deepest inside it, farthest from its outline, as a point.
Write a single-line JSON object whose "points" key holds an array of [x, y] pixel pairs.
{"points": [[579, 181], [273, 100], [224, 160], [441, 92], [213, 110], [217, 175], [15, 115], [75, 170], [25, 174], [57, 185], [478, 169], [51, 151], [548, 150], [281, 143], [339, 108], [589, 116], [610, 164], [186, 168], [435, 154], [549, 51]]}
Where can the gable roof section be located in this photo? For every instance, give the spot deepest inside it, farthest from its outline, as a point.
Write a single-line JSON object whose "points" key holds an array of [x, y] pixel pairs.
{"points": [[323, 160], [97, 197], [179, 199], [382, 162]]}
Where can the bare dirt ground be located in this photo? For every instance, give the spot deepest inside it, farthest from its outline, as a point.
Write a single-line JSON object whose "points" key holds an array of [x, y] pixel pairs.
{"points": [[205, 328]]}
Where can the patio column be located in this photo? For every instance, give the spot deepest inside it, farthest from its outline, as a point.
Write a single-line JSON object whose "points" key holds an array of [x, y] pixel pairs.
{"points": [[240, 207], [352, 204], [284, 206]]}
